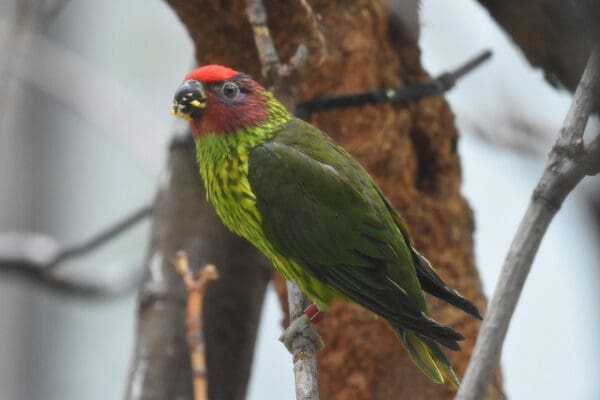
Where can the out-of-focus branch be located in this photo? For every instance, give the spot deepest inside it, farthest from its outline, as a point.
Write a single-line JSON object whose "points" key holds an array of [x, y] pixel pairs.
{"points": [[52, 9], [511, 130], [195, 284], [116, 111], [15, 38], [19, 22], [42, 252], [39, 257], [283, 77], [569, 161], [119, 113]]}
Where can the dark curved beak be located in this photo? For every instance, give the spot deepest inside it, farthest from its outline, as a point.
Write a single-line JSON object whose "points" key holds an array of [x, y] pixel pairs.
{"points": [[190, 100]]}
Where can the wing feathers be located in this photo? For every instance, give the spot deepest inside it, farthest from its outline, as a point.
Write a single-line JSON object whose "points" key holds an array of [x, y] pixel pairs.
{"points": [[322, 210]]}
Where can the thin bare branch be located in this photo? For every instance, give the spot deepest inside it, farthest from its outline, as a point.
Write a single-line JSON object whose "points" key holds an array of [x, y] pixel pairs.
{"points": [[112, 108], [283, 79], [569, 161], [511, 130], [195, 284], [103, 236], [39, 257], [29, 57], [437, 86], [94, 286]]}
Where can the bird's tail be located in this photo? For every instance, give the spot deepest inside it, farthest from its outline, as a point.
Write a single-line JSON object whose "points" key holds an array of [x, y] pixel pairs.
{"points": [[429, 357]]}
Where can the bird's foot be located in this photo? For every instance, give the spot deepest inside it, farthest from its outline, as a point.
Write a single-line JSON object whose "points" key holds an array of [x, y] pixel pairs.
{"points": [[302, 326]]}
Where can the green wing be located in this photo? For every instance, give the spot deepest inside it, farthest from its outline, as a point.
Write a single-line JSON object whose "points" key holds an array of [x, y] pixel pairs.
{"points": [[322, 210]]}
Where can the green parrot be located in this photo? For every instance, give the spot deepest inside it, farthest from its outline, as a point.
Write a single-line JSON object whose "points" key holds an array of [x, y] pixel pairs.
{"points": [[313, 210]]}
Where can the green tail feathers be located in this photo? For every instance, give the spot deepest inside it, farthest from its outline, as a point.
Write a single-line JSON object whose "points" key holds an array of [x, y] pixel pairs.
{"points": [[429, 358]]}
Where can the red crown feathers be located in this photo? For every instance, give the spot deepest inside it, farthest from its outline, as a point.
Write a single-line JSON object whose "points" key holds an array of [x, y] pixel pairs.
{"points": [[211, 73]]}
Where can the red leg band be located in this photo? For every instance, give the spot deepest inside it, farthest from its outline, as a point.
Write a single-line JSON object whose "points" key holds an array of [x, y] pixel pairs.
{"points": [[313, 313]]}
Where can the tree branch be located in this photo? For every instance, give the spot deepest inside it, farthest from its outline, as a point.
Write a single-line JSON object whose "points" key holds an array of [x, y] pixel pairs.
{"points": [[303, 349], [283, 78], [195, 285], [569, 161], [439, 85], [40, 257], [120, 115], [103, 236]]}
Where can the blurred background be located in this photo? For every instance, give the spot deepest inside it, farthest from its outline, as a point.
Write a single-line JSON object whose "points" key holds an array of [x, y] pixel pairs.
{"points": [[84, 100]]}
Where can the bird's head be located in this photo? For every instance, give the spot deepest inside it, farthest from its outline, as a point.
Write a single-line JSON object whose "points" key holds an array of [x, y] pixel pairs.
{"points": [[219, 100]]}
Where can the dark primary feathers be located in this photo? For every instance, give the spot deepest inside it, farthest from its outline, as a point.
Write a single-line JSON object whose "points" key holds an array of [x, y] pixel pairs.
{"points": [[433, 284]]}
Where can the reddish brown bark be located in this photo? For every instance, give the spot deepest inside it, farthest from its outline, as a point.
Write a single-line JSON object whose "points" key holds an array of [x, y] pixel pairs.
{"points": [[409, 148]]}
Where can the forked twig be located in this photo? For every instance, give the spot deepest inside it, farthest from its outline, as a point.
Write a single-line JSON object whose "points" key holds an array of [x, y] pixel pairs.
{"points": [[195, 284]]}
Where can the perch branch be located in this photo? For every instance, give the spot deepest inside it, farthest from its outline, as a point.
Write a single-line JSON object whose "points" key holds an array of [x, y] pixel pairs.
{"points": [[283, 78], [569, 161], [195, 284], [304, 348], [441, 84], [40, 257]]}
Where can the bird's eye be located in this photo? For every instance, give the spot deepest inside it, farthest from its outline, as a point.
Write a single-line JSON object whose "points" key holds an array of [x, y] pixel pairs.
{"points": [[230, 90]]}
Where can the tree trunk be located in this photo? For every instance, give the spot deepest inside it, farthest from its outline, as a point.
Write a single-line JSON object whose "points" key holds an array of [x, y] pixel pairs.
{"points": [[409, 148], [182, 220]]}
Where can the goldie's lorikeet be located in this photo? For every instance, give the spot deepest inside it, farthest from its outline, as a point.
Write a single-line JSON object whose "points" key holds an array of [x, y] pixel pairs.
{"points": [[313, 210]]}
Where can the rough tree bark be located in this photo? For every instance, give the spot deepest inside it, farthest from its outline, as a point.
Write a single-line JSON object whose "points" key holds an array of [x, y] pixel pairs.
{"points": [[410, 149]]}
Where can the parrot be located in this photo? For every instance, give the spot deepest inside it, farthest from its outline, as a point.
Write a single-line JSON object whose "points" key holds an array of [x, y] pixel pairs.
{"points": [[313, 211]]}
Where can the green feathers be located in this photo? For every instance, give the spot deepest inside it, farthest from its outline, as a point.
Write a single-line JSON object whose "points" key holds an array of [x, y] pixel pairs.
{"points": [[316, 213], [429, 358]]}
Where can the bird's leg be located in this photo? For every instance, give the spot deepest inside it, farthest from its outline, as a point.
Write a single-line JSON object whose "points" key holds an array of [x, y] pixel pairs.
{"points": [[303, 326]]}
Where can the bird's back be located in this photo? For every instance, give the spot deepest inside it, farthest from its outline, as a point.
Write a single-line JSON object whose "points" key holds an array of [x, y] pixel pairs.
{"points": [[322, 209]]}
